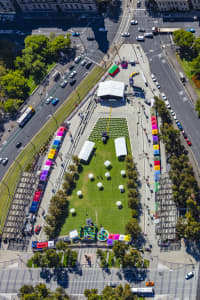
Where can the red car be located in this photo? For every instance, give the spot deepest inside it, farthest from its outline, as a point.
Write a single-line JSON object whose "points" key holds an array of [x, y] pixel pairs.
{"points": [[188, 142], [37, 229]]}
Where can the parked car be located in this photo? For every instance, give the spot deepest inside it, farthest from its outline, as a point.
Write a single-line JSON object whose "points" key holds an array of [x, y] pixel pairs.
{"points": [[188, 142], [163, 96], [1, 159], [77, 59], [157, 84], [55, 101], [49, 99], [140, 38], [5, 161], [125, 34], [90, 38], [103, 29], [66, 239], [37, 229], [71, 66], [63, 83], [153, 77], [75, 33], [134, 22], [191, 30], [189, 275], [72, 81], [112, 284], [179, 126], [184, 134], [83, 63], [88, 65], [18, 145]]}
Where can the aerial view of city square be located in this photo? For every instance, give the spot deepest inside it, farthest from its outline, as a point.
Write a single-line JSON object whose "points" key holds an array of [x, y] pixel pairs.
{"points": [[99, 149]]}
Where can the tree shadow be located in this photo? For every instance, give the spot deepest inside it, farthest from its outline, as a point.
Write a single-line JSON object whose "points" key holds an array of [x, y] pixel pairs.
{"points": [[61, 276], [193, 249]]}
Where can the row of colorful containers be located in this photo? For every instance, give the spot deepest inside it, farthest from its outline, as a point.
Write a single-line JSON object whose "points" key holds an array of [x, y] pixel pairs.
{"points": [[38, 246], [47, 167], [156, 148]]}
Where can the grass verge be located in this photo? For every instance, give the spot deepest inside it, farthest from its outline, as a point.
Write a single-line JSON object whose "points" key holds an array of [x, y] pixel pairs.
{"points": [[27, 155]]}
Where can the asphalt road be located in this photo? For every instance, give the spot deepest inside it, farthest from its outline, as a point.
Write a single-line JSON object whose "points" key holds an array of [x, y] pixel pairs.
{"points": [[166, 75], [168, 282]]}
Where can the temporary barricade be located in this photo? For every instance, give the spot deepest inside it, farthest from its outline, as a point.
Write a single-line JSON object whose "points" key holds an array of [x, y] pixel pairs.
{"points": [[156, 168], [156, 163], [156, 147], [155, 131]]}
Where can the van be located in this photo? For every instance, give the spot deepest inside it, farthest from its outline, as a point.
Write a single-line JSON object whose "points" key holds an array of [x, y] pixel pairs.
{"points": [[56, 75], [140, 38], [148, 35], [138, 3]]}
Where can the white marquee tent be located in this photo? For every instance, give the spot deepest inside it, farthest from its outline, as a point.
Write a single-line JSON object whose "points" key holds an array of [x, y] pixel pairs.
{"points": [[120, 146], [111, 88], [86, 150]]}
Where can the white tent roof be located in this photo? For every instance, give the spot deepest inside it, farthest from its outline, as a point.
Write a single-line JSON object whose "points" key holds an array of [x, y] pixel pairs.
{"points": [[120, 146], [86, 150], [111, 88]]}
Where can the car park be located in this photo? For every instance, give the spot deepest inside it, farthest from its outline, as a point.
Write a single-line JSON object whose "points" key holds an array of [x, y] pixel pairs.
{"points": [[188, 142], [103, 29], [141, 29], [49, 99], [125, 34], [5, 161], [88, 65], [37, 229], [63, 83], [134, 22], [189, 275], [83, 63], [72, 81], [77, 59], [75, 33], [55, 101], [153, 77]]}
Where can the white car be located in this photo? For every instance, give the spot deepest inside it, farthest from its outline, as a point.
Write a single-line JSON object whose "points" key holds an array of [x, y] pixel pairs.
{"points": [[63, 83], [174, 116], [134, 22], [83, 62], [163, 96], [153, 77], [167, 104], [4, 161], [49, 99], [189, 275], [125, 34], [77, 59], [157, 84], [172, 112]]}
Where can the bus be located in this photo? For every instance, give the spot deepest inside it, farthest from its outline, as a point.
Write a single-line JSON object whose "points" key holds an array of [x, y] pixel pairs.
{"points": [[27, 114], [182, 77], [146, 291]]}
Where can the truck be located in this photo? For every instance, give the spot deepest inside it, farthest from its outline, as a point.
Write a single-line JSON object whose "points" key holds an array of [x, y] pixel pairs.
{"points": [[157, 30]]}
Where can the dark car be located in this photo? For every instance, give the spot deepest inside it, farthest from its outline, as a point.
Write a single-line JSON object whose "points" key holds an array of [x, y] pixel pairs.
{"points": [[18, 145], [88, 65], [90, 38], [72, 81], [71, 67]]}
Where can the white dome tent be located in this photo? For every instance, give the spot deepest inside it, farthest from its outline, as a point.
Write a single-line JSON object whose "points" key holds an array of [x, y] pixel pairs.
{"points": [[107, 175], [79, 193], [72, 211], [119, 204], [107, 163], [123, 173], [91, 176], [121, 188], [100, 185]]}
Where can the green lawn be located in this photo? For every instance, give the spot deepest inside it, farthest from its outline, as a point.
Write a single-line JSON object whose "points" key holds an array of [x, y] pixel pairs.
{"points": [[96, 204], [187, 67], [26, 156]]}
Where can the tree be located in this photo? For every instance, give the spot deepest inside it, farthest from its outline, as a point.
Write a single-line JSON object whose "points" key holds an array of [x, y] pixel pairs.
{"points": [[76, 160], [60, 294], [195, 66], [61, 245], [15, 85], [69, 177], [36, 259], [197, 107], [72, 168], [119, 249], [38, 45], [60, 43], [52, 36], [162, 110], [132, 193], [180, 227], [12, 105], [133, 203], [38, 70], [131, 184], [133, 259], [133, 228], [42, 291], [184, 40], [26, 289], [53, 258]]}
